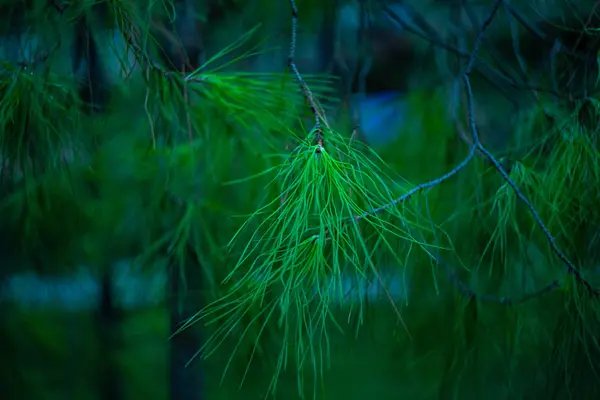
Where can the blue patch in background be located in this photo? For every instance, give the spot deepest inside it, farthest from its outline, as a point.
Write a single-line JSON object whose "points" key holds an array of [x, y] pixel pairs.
{"points": [[382, 116]]}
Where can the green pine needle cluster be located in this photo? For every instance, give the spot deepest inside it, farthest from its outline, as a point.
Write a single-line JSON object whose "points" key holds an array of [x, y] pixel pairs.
{"points": [[318, 230]]}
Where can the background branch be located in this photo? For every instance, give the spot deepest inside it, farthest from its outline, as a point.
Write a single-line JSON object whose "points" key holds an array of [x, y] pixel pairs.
{"points": [[476, 145]]}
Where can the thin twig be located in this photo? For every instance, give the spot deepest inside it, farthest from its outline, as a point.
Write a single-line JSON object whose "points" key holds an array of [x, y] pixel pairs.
{"points": [[305, 89], [587, 25], [495, 77], [364, 64], [419, 188]]}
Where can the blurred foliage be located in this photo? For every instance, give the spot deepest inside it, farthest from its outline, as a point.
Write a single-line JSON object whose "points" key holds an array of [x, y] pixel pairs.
{"points": [[279, 214]]}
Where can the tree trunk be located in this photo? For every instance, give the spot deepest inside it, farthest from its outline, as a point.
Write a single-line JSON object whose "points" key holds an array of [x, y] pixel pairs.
{"points": [[186, 381], [109, 320]]}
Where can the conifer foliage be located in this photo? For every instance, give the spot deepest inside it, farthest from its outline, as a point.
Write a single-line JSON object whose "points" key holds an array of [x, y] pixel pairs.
{"points": [[247, 187]]}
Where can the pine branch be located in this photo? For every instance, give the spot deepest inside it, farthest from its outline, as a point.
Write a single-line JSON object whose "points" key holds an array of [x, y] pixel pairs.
{"points": [[319, 116], [476, 145], [496, 78]]}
